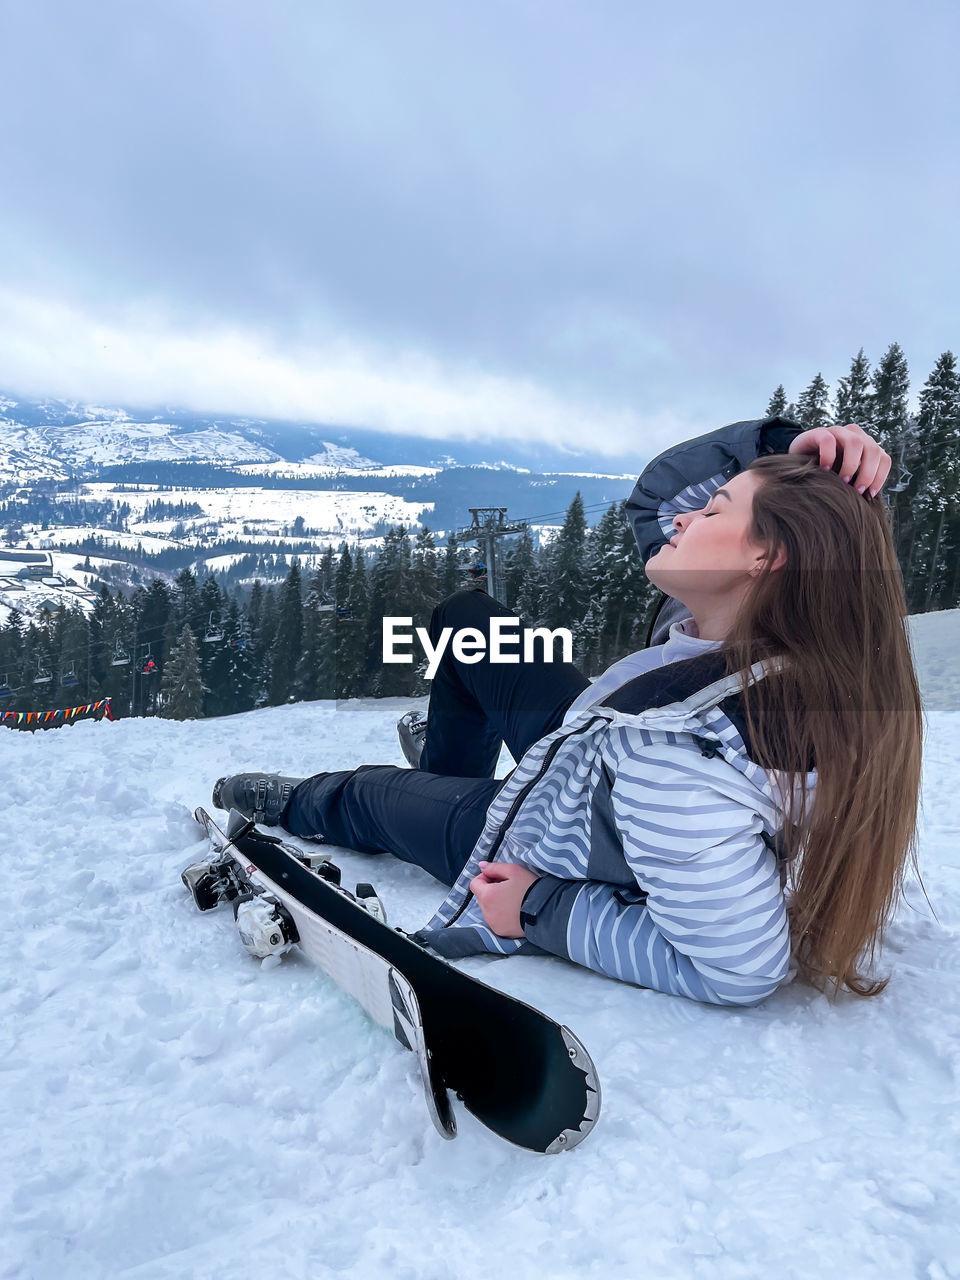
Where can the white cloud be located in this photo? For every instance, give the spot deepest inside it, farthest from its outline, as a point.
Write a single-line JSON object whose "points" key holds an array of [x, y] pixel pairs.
{"points": [[143, 356]]}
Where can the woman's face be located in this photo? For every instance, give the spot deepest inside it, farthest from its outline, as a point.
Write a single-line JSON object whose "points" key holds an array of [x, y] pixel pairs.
{"points": [[710, 555]]}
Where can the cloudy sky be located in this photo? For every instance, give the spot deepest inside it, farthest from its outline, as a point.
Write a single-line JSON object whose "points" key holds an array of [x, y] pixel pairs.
{"points": [[617, 223]]}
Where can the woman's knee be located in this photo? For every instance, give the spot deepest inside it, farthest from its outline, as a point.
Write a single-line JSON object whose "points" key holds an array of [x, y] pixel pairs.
{"points": [[463, 608]]}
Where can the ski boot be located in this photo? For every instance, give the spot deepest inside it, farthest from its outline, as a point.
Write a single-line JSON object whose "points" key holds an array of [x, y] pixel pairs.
{"points": [[412, 730], [260, 796]]}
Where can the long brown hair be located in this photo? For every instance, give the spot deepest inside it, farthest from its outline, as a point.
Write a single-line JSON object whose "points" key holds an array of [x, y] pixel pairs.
{"points": [[845, 699]]}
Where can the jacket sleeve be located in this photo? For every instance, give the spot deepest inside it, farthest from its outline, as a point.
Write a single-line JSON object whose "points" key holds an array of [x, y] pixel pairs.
{"points": [[683, 477], [708, 920]]}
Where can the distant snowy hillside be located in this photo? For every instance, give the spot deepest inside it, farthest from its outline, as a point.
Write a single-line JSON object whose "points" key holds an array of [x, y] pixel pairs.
{"points": [[170, 1108], [332, 455], [32, 453]]}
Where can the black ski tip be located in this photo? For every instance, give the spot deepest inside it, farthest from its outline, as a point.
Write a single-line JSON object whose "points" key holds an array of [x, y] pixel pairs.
{"points": [[581, 1060]]}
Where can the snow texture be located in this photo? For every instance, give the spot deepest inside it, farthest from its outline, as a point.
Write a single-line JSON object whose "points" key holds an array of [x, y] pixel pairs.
{"points": [[170, 1108], [227, 511]]}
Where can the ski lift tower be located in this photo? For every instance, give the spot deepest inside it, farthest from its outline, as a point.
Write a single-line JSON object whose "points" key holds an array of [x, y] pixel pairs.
{"points": [[489, 524]]}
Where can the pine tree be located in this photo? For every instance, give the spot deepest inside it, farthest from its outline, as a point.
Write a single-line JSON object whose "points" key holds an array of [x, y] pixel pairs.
{"points": [[285, 651], [777, 407], [638, 594], [182, 689], [351, 633], [111, 641], [377, 611], [326, 649], [215, 672], [587, 637], [169, 641], [531, 593], [928, 572], [399, 579], [309, 669], [603, 564], [813, 405], [518, 565], [566, 601], [450, 572], [891, 427], [343, 577], [241, 679], [155, 616], [389, 597], [424, 590], [255, 607], [325, 577], [73, 650], [891, 388], [12, 666], [187, 607], [855, 393], [263, 643], [424, 595]]}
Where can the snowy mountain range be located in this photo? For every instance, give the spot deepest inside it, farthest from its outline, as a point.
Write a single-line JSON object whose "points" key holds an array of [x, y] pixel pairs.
{"points": [[54, 439]]}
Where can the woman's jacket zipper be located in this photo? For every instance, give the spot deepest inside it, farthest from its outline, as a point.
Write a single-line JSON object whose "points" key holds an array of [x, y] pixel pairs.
{"points": [[517, 802]]}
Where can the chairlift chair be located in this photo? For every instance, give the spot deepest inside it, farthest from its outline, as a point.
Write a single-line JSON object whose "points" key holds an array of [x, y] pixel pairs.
{"points": [[6, 693], [43, 675], [214, 632], [120, 656], [69, 678], [905, 475], [146, 663]]}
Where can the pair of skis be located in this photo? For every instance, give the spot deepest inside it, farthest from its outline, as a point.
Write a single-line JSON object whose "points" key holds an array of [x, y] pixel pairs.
{"points": [[524, 1076]]}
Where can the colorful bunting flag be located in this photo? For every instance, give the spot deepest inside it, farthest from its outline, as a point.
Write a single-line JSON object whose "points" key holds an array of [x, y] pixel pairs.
{"points": [[61, 715]]}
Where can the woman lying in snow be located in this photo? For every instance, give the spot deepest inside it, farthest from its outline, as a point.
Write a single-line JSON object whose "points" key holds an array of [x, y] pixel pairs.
{"points": [[667, 825]]}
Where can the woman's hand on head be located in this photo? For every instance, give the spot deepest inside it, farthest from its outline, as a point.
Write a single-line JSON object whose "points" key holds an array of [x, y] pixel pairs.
{"points": [[859, 454], [500, 889]]}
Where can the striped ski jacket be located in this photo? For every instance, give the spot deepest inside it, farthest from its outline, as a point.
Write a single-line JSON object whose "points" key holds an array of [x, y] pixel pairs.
{"points": [[654, 834]]}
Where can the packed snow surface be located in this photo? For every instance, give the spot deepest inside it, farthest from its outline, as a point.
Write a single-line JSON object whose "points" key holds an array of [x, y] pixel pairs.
{"points": [[171, 1108]]}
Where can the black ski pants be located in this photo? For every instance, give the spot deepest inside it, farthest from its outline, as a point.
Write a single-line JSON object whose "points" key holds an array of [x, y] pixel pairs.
{"points": [[433, 816]]}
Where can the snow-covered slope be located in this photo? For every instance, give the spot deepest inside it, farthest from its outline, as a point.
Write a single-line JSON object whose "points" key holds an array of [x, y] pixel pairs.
{"points": [[333, 455], [47, 439], [270, 511], [30, 453], [171, 1109]]}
